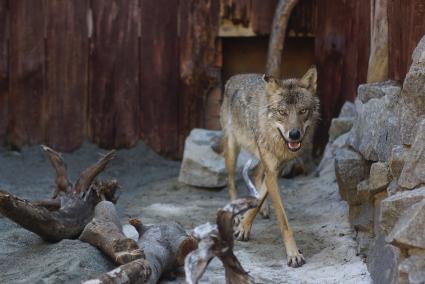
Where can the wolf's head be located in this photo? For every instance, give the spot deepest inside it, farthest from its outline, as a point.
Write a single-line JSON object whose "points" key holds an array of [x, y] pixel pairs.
{"points": [[293, 107]]}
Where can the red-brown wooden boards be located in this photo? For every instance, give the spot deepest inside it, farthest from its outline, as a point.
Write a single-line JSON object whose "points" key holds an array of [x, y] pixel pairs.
{"points": [[4, 74], [26, 49], [406, 26], [198, 73], [66, 73], [114, 84], [342, 53], [159, 96]]}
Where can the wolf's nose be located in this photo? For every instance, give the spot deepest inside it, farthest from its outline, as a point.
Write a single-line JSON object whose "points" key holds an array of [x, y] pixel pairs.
{"points": [[294, 134]]}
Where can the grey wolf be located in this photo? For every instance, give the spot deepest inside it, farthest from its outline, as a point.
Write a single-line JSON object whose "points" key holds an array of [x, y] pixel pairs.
{"points": [[273, 119]]}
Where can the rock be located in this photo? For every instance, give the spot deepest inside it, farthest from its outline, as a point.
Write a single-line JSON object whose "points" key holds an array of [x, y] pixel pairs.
{"points": [[376, 128], [363, 193], [393, 188], [348, 110], [202, 166], [361, 217], [365, 92], [394, 206], [340, 126], [413, 268], [379, 177], [410, 227], [327, 164], [413, 173], [350, 169], [383, 260], [413, 94], [397, 159]]}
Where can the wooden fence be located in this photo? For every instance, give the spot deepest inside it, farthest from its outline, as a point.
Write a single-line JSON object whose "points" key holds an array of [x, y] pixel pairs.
{"points": [[117, 71]]}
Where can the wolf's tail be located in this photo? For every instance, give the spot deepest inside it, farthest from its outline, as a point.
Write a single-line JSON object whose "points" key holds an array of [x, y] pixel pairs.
{"points": [[247, 179]]}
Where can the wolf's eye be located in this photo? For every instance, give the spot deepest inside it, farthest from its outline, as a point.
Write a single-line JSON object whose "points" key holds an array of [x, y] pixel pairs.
{"points": [[283, 112], [303, 111]]}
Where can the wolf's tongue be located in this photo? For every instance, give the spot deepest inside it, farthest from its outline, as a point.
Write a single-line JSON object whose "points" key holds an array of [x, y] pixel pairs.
{"points": [[294, 145]]}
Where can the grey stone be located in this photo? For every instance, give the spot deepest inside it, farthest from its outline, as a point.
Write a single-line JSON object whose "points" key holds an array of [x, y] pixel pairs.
{"points": [[413, 173], [396, 160], [383, 260], [201, 165], [409, 231], [376, 128], [327, 164], [414, 268], [362, 217], [363, 192], [418, 56], [377, 90], [379, 177], [348, 110], [413, 94], [340, 126], [393, 188], [350, 169], [394, 206]]}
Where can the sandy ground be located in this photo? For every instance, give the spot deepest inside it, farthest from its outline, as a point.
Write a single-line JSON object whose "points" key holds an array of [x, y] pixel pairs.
{"points": [[151, 192]]}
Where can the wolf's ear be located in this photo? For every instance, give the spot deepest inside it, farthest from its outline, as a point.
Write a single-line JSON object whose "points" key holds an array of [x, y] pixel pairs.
{"points": [[309, 80], [272, 84]]}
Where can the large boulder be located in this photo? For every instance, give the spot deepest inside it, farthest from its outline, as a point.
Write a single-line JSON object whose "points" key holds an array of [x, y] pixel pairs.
{"points": [[394, 206], [348, 110], [413, 173], [350, 169], [376, 128], [203, 166], [409, 231], [413, 94]]}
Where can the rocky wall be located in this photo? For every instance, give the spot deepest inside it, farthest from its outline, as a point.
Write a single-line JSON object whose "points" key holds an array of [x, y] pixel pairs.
{"points": [[378, 150]]}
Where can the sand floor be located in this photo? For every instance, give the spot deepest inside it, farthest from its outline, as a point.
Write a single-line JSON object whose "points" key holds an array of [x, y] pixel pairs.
{"points": [[151, 192]]}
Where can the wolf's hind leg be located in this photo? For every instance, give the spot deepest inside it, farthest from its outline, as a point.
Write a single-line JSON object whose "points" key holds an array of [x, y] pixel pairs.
{"points": [[231, 152]]}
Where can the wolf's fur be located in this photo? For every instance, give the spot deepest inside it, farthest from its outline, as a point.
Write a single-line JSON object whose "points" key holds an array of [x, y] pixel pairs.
{"points": [[258, 113]]}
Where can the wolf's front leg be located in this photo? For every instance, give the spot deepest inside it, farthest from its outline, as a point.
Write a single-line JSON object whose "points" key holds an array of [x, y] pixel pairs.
{"points": [[294, 256]]}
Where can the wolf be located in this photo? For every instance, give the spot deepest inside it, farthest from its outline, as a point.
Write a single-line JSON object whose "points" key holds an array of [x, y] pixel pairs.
{"points": [[273, 119]]}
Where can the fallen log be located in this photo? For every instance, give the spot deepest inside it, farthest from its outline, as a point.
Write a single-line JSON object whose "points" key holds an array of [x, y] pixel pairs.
{"points": [[162, 247], [71, 207], [217, 241], [165, 245]]}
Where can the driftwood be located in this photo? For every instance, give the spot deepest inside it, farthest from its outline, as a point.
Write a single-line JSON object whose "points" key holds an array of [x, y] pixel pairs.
{"points": [[217, 241], [71, 207], [160, 249], [277, 36]]}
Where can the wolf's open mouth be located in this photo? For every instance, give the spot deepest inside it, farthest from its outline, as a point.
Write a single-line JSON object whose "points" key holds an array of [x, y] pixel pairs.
{"points": [[294, 146]]}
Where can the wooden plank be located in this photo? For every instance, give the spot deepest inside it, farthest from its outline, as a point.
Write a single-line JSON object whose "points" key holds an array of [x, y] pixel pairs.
{"points": [[262, 16], [66, 73], [341, 50], [198, 73], [4, 76], [406, 26], [114, 80], [26, 72], [159, 75]]}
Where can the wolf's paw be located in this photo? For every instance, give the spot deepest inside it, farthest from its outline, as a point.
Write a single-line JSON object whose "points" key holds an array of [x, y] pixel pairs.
{"points": [[241, 231], [265, 210], [295, 259]]}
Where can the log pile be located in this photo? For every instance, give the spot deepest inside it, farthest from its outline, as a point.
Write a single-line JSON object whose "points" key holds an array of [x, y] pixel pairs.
{"points": [[86, 210]]}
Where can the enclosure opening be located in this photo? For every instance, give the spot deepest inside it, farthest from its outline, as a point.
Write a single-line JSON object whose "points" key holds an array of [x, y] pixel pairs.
{"points": [[248, 55]]}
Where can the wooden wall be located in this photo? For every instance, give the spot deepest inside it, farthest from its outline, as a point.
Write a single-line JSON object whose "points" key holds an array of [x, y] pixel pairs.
{"points": [[119, 71]]}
